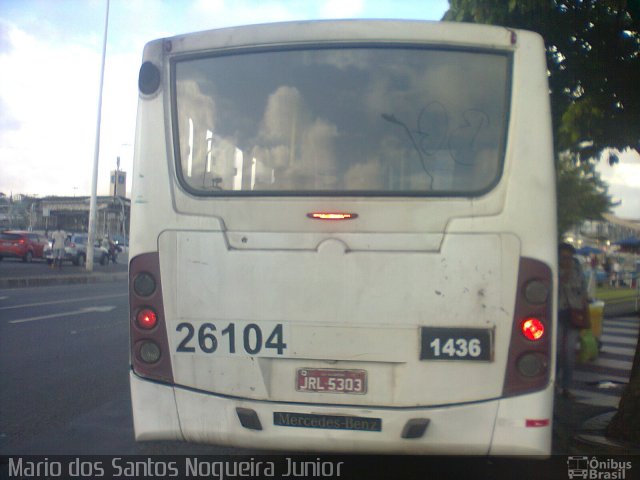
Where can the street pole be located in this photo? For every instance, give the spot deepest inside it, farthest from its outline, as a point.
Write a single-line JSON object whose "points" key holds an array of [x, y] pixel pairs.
{"points": [[94, 181]]}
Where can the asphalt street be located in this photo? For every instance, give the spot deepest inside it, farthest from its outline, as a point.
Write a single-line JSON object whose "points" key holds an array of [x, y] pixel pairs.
{"points": [[64, 364], [16, 268]]}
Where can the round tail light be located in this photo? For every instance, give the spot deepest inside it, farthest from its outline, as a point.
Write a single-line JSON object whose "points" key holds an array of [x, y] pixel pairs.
{"points": [[536, 292], [144, 284], [533, 329], [149, 352], [147, 318], [532, 364]]}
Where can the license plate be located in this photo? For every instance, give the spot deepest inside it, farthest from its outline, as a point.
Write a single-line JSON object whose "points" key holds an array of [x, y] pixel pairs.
{"points": [[471, 344], [331, 380]]}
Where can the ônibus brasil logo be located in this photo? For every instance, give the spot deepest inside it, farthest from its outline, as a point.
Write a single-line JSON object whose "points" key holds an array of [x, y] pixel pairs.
{"points": [[592, 468]]}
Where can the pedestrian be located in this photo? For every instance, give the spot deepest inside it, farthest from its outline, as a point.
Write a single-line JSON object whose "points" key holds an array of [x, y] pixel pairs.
{"points": [[58, 238], [607, 267], [615, 275], [572, 302], [113, 251], [110, 247]]}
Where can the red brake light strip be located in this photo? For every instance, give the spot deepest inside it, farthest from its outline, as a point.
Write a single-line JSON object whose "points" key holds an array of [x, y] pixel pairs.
{"points": [[332, 216]]}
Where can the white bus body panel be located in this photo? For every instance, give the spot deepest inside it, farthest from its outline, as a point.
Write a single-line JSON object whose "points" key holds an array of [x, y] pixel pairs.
{"points": [[495, 427], [342, 309], [155, 413]]}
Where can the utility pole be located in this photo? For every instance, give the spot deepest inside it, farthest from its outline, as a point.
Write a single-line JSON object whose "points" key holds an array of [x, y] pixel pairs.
{"points": [[94, 181]]}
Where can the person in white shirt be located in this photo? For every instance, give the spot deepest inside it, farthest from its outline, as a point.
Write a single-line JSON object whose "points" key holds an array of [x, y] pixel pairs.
{"points": [[58, 238], [615, 275]]}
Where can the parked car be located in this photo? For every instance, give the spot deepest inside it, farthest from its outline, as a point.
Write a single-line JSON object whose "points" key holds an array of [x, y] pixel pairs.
{"points": [[75, 250], [21, 244]]}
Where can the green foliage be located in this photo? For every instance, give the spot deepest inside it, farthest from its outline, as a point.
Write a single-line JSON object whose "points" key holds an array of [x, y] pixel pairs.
{"points": [[582, 195], [578, 117]]}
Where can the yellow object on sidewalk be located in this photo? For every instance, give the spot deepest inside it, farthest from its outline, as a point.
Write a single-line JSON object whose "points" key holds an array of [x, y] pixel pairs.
{"points": [[595, 313]]}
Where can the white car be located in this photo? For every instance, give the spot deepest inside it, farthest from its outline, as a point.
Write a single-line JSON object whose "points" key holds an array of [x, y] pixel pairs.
{"points": [[75, 250]]}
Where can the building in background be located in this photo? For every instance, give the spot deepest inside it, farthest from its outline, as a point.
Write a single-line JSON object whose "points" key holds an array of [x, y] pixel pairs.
{"points": [[30, 212], [72, 215], [118, 182], [603, 234], [601, 244]]}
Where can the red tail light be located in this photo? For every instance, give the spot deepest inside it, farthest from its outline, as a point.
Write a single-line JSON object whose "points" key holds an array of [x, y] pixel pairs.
{"points": [[147, 318], [150, 354], [529, 359], [532, 329]]}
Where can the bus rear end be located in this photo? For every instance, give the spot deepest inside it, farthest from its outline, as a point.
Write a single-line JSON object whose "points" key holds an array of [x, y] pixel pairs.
{"points": [[343, 239]]}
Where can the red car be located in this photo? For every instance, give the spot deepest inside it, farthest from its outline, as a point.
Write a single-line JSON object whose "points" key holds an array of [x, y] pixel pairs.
{"points": [[20, 244]]}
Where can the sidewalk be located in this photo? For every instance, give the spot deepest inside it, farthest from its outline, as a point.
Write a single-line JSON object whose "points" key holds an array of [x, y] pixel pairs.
{"points": [[38, 273], [580, 424], [579, 429], [591, 439], [625, 307]]}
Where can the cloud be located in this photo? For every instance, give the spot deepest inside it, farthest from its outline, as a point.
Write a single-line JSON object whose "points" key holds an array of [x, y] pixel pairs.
{"points": [[8, 122], [630, 201], [51, 93], [318, 153], [625, 173], [623, 180], [300, 147], [284, 110], [204, 14], [5, 38], [48, 106]]}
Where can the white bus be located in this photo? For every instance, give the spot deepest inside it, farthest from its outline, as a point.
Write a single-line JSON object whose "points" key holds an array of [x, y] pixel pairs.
{"points": [[343, 239]]}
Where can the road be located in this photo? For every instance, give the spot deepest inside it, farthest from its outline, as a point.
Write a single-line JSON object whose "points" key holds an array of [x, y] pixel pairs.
{"points": [[64, 363], [16, 268]]}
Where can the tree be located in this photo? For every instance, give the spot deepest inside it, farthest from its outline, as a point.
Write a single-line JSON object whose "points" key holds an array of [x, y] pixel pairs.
{"points": [[582, 195], [593, 58]]}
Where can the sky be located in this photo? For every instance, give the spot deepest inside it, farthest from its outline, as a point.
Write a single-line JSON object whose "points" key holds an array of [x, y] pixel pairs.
{"points": [[50, 53]]}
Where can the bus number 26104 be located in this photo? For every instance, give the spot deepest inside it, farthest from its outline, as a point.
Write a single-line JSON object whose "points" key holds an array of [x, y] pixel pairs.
{"points": [[249, 338]]}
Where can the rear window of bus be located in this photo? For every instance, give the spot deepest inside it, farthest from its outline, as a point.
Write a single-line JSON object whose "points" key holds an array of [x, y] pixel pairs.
{"points": [[341, 121]]}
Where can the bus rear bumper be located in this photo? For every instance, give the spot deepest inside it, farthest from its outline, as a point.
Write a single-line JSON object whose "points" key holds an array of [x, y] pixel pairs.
{"points": [[524, 425], [155, 414], [162, 412]]}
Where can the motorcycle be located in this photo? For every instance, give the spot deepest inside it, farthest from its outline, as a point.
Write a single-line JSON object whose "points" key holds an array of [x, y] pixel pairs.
{"points": [[113, 251]]}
